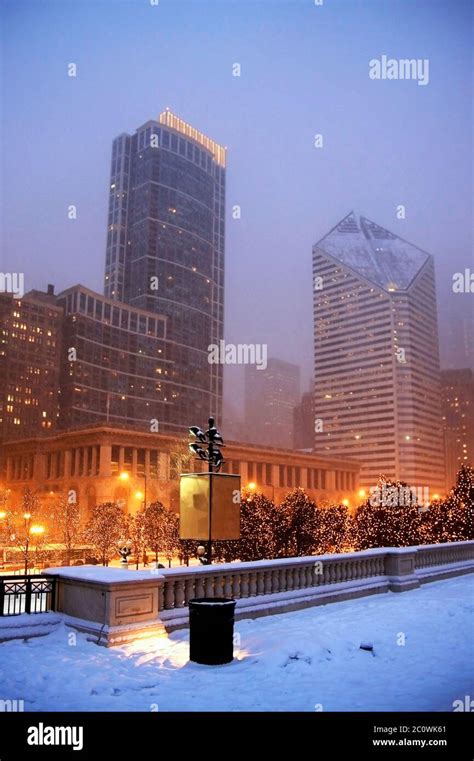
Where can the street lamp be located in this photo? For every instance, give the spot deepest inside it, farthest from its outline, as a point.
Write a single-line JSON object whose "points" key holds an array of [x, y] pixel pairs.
{"points": [[213, 456], [124, 476], [3, 515]]}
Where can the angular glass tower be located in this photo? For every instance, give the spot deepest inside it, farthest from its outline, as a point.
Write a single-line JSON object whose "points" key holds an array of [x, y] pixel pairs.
{"points": [[377, 377], [165, 249]]}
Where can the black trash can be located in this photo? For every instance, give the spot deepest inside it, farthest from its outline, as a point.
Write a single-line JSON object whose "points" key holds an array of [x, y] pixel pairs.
{"points": [[211, 630]]}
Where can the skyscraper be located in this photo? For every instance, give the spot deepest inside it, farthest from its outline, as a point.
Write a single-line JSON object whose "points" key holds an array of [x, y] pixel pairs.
{"points": [[377, 384], [30, 346], [458, 418], [270, 398], [165, 247], [303, 422]]}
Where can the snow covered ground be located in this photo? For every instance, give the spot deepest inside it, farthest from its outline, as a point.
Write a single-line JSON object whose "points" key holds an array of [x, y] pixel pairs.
{"points": [[302, 661]]}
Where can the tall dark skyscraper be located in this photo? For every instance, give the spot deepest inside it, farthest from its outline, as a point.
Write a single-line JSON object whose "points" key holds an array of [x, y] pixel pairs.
{"points": [[165, 248]]}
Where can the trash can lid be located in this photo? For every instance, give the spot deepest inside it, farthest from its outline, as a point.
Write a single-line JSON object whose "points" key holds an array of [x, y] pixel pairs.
{"points": [[211, 601]]}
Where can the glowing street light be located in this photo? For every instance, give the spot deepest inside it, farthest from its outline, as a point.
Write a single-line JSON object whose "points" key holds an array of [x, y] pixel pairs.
{"points": [[362, 493], [345, 502], [252, 486], [139, 494], [37, 530], [124, 476]]}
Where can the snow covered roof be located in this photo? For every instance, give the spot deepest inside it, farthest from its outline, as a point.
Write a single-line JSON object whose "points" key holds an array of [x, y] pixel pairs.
{"points": [[377, 254]]}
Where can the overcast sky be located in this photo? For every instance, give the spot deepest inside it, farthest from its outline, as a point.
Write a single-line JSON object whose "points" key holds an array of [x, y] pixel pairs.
{"points": [[304, 71]]}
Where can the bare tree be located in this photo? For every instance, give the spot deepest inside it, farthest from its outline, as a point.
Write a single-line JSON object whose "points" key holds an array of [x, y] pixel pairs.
{"points": [[135, 533], [105, 529], [66, 516], [25, 532]]}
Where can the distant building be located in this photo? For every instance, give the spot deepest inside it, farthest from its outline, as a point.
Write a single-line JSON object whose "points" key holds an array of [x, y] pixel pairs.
{"points": [[165, 247], [303, 422], [458, 418], [270, 398], [377, 384], [30, 347]]}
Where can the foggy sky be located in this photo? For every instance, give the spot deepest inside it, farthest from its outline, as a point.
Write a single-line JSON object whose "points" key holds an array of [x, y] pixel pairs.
{"points": [[304, 70]]}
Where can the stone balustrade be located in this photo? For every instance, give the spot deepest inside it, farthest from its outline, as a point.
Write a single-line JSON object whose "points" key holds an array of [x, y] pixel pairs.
{"points": [[117, 605]]}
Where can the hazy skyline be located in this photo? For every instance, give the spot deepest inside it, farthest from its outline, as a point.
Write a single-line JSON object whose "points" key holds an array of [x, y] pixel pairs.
{"points": [[304, 71]]}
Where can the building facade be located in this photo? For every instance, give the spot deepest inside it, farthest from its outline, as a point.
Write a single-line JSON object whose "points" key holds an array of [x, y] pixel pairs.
{"points": [[115, 365], [271, 395], [377, 378], [165, 246], [30, 349], [458, 418], [91, 462]]}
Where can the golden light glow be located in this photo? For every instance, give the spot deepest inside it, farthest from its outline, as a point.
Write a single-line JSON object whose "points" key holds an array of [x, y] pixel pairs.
{"points": [[435, 496], [2, 515], [124, 476], [27, 516], [37, 530], [362, 493], [345, 502], [170, 120], [252, 486], [139, 495]]}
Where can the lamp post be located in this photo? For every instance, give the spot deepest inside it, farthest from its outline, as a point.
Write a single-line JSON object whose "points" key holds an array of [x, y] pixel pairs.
{"points": [[3, 515], [212, 440]]}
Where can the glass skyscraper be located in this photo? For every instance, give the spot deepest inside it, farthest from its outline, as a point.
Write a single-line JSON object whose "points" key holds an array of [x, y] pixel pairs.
{"points": [[165, 249]]}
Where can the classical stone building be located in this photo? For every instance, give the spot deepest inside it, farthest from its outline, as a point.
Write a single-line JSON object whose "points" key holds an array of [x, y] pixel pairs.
{"points": [[104, 463]]}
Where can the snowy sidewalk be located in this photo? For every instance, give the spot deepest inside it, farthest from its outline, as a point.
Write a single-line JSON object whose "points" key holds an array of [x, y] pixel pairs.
{"points": [[291, 662]]}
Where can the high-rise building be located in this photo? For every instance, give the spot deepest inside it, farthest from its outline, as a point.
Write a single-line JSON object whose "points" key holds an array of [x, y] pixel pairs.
{"points": [[115, 366], [458, 417], [303, 422], [30, 346], [377, 384], [165, 246], [271, 394]]}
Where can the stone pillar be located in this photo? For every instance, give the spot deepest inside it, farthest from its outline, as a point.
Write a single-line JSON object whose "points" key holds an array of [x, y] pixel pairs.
{"points": [[105, 460], [121, 459], [399, 566], [85, 461], [275, 475], [134, 461], [147, 462], [94, 461], [39, 466], [77, 460], [67, 463], [244, 473], [330, 480], [164, 466]]}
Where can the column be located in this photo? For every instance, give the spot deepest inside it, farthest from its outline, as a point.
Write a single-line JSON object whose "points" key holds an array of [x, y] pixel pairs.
{"points": [[94, 460], [105, 460]]}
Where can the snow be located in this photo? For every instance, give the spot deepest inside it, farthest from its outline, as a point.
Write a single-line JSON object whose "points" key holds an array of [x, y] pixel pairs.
{"points": [[295, 661], [104, 574]]}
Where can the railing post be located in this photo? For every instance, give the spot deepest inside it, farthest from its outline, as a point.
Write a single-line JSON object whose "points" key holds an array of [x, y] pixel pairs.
{"points": [[28, 595], [2, 596]]}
